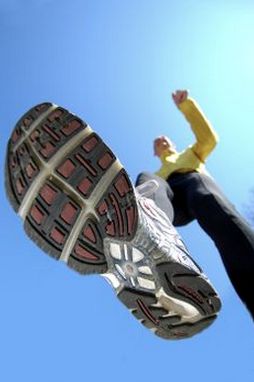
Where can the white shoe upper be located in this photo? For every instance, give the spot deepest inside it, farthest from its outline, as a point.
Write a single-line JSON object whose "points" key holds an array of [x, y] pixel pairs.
{"points": [[155, 224]]}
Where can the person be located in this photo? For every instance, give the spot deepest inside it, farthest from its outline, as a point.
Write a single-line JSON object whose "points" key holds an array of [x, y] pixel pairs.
{"points": [[187, 192], [79, 205]]}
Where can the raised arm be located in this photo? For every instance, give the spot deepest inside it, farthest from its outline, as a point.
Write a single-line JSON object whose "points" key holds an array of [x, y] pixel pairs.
{"points": [[205, 135]]}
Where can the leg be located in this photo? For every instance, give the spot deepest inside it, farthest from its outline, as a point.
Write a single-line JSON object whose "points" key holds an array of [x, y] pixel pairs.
{"points": [[227, 228]]}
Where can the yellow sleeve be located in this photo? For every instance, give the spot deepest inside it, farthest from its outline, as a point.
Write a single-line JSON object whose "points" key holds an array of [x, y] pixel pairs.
{"points": [[206, 137]]}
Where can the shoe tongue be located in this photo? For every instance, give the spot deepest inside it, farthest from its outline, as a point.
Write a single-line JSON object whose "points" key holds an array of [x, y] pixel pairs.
{"points": [[147, 188]]}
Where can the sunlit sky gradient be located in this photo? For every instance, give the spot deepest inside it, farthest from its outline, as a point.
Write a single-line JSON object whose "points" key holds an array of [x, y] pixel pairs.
{"points": [[115, 63]]}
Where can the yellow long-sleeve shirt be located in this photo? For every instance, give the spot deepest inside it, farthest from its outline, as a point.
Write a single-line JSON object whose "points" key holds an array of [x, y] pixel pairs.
{"points": [[193, 158]]}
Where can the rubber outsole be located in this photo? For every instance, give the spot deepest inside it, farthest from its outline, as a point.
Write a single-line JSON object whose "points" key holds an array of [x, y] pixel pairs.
{"points": [[74, 196]]}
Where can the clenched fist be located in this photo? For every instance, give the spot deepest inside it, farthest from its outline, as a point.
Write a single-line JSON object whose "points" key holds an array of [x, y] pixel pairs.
{"points": [[179, 96]]}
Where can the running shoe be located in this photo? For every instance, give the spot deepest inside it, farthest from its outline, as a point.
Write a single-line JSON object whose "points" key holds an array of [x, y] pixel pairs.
{"points": [[79, 206]]}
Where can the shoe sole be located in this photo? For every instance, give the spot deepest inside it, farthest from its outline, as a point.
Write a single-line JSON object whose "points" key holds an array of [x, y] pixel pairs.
{"points": [[78, 205]]}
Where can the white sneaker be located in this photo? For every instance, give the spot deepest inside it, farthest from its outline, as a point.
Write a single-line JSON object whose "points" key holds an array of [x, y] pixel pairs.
{"points": [[79, 206]]}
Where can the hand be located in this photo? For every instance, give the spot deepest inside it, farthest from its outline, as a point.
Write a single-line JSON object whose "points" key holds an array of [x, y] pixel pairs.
{"points": [[179, 96]]}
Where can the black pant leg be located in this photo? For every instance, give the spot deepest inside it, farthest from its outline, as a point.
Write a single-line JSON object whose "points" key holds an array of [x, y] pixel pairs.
{"points": [[162, 196], [230, 232]]}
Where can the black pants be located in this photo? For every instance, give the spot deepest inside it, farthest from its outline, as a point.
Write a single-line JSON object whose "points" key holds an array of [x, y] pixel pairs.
{"points": [[185, 197]]}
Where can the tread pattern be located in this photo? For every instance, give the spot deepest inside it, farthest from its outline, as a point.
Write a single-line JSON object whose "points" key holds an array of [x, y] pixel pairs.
{"points": [[180, 282], [34, 141], [183, 284], [143, 307], [69, 209]]}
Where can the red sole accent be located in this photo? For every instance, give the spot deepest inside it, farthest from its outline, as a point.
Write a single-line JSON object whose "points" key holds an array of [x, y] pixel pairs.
{"points": [[147, 312]]}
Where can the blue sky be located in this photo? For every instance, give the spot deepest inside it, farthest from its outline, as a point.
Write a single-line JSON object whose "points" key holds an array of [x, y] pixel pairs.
{"points": [[115, 63]]}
